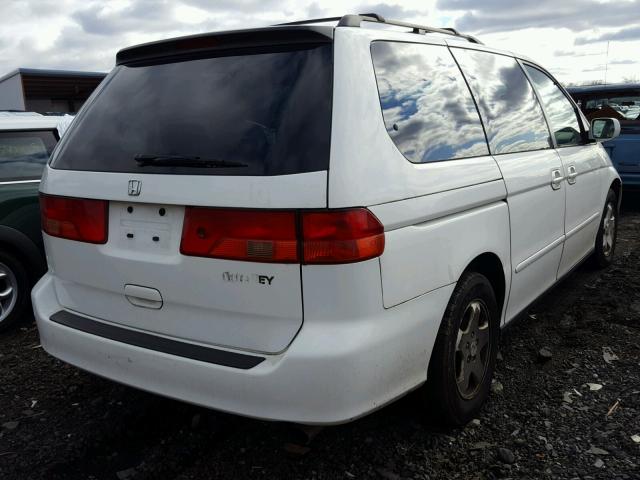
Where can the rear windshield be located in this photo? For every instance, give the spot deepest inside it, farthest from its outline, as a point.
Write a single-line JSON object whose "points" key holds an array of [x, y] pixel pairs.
{"points": [[23, 154], [625, 106], [261, 113]]}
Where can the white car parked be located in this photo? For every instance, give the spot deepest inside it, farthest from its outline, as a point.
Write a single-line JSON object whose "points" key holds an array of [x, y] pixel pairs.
{"points": [[304, 223]]}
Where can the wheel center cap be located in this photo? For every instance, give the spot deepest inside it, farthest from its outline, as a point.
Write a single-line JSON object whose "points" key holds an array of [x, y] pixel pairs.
{"points": [[474, 348]]}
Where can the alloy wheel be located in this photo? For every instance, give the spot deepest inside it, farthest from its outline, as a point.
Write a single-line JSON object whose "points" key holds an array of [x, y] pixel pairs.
{"points": [[608, 230], [473, 346], [8, 291]]}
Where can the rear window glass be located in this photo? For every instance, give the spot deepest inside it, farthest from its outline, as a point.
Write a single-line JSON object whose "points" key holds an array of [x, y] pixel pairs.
{"points": [[24, 154], [268, 111], [427, 108], [510, 111], [625, 106]]}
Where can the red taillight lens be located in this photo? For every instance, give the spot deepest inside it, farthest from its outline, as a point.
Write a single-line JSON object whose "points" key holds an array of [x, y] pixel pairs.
{"points": [[341, 236], [77, 219], [327, 237], [250, 235]]}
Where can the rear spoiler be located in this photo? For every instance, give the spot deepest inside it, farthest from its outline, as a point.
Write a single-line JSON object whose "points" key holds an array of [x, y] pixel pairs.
{"points": [[230, 40]]}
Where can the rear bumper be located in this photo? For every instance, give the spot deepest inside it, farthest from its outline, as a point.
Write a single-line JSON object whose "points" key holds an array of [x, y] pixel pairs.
{"points": [[331, 373]]}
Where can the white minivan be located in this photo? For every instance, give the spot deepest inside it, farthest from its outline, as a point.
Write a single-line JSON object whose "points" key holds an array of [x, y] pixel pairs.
{"points": [[304, 223]]}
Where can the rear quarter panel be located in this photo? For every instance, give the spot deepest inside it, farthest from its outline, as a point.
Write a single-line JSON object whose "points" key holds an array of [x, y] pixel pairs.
{"points": [[427, 255]]}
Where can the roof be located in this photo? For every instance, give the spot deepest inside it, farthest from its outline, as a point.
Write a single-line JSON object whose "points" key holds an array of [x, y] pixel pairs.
{"points": [[39, 72], [611, 87], [25, 122], [302, 32]]}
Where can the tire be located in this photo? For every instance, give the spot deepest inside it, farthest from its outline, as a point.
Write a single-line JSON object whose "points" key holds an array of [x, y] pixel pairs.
{"points": [[454, 395], [15, 286], [607, 236]]}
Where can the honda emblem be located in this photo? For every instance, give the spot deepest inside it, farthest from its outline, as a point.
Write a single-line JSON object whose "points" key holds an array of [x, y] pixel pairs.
{"points": [[134, 188]]}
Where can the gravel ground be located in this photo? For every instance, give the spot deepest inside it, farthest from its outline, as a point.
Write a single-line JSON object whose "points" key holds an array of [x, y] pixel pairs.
{"points": [[571, 410]]}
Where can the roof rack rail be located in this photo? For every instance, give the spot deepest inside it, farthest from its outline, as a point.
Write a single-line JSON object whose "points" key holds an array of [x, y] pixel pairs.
{"points": [[355, 21]]}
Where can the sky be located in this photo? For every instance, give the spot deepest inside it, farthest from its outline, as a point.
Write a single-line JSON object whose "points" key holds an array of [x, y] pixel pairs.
{"points": [[568, 37]]}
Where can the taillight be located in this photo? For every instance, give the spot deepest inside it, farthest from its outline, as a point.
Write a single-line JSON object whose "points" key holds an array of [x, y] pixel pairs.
{"points": [[79, 219], [252, 235], [341, 236], [326, 237]]}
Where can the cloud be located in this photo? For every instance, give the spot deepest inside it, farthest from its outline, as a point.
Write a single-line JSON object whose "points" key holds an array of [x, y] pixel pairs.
{"points": [[100, 19], [623, 35], [392, 11], [596, 68], [622, 62], [574, 53], [86, 34], [316, 11], [238, 6], [506, 15]]}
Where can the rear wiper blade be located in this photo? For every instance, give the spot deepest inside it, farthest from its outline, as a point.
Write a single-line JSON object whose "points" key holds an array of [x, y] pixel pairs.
{"points": [[144, 160]]}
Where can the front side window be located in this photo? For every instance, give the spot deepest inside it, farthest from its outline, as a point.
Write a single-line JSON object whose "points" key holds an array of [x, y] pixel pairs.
{"points": [[510, 111], [23, 154], [560, 112], [427, 108]]}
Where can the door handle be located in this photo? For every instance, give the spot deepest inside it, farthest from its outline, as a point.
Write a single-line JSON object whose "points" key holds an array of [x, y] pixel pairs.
{"points": [[573, 175], [556, 179]]}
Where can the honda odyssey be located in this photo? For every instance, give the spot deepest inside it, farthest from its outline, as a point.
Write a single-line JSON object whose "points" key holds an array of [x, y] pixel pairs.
{"points": [[306, 222]]}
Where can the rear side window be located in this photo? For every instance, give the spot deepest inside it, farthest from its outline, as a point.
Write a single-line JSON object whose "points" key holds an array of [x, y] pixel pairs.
{"points": [[23, 154], [267, 110], [510, 111], [560, 112], [427, 108]]}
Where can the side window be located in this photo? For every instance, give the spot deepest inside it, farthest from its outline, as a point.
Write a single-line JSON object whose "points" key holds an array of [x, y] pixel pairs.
{"points": [[560, 112], [509, 108], [23, 155], [427, 107]]}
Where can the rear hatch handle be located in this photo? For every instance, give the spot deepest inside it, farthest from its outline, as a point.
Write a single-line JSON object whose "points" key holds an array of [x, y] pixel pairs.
{"points": [[144, 297]]}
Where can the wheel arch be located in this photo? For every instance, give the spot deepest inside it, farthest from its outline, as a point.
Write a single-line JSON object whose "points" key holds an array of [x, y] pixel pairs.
{"points": [[616, 186], [490, 265], [19, 244]]}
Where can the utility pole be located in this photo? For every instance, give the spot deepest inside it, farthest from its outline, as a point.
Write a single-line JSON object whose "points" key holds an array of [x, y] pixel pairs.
{"points": [[606, 65]]}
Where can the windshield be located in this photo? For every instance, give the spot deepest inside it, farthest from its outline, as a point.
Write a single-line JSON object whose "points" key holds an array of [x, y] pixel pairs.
{"points": [[23, 154], [269, 111], [624, 107]]}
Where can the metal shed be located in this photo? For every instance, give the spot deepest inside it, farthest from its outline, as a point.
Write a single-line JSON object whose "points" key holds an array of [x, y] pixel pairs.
{"points": [[46, 91]]}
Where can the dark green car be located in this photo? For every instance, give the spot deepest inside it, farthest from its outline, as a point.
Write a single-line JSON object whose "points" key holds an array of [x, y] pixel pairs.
{"points": [[26, 142]]}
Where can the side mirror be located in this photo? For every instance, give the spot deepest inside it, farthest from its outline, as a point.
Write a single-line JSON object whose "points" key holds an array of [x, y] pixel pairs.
{"points": [[603, 129]]}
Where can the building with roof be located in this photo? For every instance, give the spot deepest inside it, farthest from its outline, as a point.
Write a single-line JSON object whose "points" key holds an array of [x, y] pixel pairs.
{"points": [[47, 91]]}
